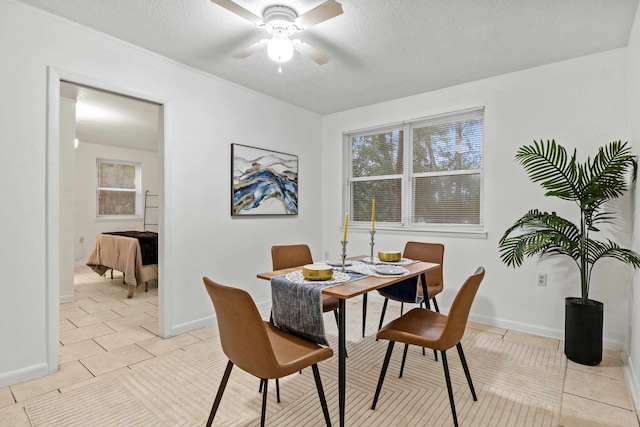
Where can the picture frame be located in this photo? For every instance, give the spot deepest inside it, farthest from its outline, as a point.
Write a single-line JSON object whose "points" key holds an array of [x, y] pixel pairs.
{"points": [[263, 182]]}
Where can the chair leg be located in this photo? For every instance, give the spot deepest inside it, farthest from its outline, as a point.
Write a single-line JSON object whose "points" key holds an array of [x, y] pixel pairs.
{"points": [[466, 371], [383, 372], [364, 313], [447, 377], [264, 402], [221, 388], [435, 304], [384, 309], [404, 358], [323, 401], [401, 308], [277, 388]]}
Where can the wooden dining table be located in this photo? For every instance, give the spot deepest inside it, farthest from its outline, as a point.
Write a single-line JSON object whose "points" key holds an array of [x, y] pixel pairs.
{"points": [[351, 289]]}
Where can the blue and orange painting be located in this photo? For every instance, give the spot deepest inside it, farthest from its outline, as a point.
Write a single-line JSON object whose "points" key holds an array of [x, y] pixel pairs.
{"points": [[265, 182]]}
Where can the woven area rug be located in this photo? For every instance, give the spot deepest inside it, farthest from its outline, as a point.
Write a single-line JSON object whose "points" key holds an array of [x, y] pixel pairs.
{"points": [[517, 385]]}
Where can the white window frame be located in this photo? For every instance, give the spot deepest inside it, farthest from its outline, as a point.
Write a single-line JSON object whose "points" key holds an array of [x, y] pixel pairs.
{"points": [[137, 190], [408, 175]]}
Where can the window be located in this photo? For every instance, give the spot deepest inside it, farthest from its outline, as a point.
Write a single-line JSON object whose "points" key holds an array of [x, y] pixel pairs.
{"points": [[424, 174], [118, 189]]}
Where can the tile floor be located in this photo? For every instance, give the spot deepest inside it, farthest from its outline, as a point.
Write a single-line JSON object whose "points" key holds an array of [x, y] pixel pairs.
{"points": [[102, 332]]}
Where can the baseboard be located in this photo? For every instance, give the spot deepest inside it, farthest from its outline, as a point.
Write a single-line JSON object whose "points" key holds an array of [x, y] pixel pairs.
{"points": [[536, 330], [632, 374], [518, 326], [263, 307], [67, 298], [23, 374], [192, 325]]}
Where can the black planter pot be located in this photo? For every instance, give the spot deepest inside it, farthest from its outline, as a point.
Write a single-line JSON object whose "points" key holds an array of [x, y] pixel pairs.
{"points": [[583, 331]]}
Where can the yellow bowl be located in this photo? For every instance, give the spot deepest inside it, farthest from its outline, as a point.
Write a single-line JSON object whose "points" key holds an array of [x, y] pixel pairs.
{"points": [[317, 272], [389, 256]]}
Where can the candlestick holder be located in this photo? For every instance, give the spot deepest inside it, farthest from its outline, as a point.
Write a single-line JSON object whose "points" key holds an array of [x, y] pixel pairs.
{"points": [[372, 243], [344, 252]]}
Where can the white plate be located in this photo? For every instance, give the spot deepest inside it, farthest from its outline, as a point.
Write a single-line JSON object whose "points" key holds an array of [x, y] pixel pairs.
{"points": [[388, 269], [338, 263]]}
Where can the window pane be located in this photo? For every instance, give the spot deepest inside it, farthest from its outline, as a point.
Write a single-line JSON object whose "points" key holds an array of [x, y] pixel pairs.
{"points": [[116, 202], [376, 155], [450, 199], [388, 195], [117, 175], [448, 146]]}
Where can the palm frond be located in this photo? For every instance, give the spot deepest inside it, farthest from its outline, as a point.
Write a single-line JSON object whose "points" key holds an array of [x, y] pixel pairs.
{"points": [[599, 250], [607, 173], [541, 233], [550, 165]]}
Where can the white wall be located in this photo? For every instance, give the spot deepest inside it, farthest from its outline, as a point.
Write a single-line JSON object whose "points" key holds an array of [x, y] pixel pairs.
{"points": [[204, 115], [581, 103], [87, 227], [633, 93]]}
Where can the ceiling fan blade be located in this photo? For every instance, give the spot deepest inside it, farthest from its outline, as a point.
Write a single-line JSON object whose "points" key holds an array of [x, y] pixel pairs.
{"points": [[325, 11], [250, 50], [240, 11], [310, 52]]}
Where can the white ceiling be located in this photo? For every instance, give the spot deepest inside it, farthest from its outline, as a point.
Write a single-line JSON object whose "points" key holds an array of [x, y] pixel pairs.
{"points": [[380, 49], [110, 119]]}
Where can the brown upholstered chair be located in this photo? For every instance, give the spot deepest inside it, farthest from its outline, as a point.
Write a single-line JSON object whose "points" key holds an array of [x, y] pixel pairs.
{"points": [[287, 256], [427, 252], [258, 347], [430, 329]]}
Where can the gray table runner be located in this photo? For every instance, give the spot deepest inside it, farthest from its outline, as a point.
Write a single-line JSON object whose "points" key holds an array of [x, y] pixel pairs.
{"points": [[297, 304]]}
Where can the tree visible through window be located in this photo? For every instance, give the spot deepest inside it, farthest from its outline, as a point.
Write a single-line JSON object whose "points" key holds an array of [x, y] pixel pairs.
{"points": [[118, 188], [425, 173]]}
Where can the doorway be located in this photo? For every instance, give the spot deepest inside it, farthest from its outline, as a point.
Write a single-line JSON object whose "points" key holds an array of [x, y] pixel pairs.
{"points": [[103, 122]]}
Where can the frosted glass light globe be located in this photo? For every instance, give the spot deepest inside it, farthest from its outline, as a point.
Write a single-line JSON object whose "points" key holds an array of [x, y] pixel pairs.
{"points": [[280, 49]]}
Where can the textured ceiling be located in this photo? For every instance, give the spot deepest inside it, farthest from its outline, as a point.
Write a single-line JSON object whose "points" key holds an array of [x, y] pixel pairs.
{"points": [[380, 49]]}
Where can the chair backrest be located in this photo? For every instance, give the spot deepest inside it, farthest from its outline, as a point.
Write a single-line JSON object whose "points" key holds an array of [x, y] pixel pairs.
{"points": [[459, 312], [243, 335], [287, 256], [428, 252]]}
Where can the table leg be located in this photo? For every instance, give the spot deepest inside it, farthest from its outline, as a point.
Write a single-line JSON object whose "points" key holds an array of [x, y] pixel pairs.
{"points": [[364, 313], [342, 350]]}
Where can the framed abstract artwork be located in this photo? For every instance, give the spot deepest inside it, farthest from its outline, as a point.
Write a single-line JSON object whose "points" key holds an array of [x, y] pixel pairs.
{"points": [[263, 182]]}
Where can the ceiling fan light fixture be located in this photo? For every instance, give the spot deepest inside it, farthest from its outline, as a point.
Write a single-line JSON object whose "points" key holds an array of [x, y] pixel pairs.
{"points": [[280, 49]]}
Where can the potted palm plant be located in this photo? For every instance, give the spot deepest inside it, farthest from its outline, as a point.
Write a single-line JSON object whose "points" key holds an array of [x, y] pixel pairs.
{"points": [[589, 185]]}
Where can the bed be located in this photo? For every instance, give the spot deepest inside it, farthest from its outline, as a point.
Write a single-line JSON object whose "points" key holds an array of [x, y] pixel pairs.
{"points": [[134, 253]]}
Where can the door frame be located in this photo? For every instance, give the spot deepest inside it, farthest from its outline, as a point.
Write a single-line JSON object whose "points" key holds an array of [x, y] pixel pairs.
{"points": [[53, 208]]}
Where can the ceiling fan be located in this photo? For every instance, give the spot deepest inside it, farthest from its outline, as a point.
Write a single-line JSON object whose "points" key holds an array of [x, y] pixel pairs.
{"points": [[281, 22]]}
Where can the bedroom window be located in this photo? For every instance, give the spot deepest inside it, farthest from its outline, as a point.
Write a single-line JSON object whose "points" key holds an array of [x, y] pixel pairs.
{"points": [[425, 174], [118, 190]]}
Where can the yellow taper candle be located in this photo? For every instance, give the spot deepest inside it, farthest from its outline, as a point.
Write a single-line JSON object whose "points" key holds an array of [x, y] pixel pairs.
{"points": [[373, 213], [346, 222]]}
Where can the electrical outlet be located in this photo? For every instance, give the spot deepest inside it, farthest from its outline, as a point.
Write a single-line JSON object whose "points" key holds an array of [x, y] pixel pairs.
{"points": [[81, 239], [542, 279]]}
